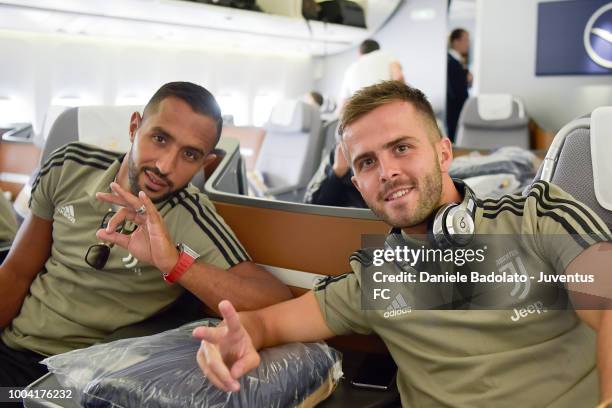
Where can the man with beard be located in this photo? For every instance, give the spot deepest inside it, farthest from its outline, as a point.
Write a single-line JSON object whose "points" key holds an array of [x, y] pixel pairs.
{"points": [[61, 288], [504, 355]]}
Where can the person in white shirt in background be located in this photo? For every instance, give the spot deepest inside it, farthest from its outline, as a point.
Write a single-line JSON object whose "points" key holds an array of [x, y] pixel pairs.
{"points": [[374, 65]]}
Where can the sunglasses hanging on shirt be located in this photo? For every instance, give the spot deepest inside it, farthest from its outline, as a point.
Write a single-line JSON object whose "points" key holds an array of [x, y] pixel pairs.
{"points": [[97, 255]]}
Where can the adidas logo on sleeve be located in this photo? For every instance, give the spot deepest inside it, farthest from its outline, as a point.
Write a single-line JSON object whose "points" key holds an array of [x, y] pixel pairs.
{"points": [[397, 307], [68, 212]]}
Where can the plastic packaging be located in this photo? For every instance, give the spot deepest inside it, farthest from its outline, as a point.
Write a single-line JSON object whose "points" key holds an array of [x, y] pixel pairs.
{"points": [[161, 371]]}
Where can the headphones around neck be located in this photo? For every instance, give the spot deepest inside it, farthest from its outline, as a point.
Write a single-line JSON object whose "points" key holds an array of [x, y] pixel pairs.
{"points": [[452, 226]]}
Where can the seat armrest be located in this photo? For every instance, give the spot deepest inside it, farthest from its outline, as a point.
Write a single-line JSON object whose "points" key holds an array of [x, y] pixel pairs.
{"points": [[283, 190], [49, 382], [258, 185]]}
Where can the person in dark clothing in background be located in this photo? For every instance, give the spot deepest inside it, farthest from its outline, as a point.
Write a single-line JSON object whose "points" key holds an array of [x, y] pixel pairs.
{"points": [[457, 78], [332, 185]]}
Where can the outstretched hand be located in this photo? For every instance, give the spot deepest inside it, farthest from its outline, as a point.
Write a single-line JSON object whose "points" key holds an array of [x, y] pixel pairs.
{"points": [[150, 242], [227, 351]]}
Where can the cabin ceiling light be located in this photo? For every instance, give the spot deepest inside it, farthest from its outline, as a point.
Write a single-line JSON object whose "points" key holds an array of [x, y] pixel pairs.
{"points": [[71, 101], [130, 100], [423, 14]]}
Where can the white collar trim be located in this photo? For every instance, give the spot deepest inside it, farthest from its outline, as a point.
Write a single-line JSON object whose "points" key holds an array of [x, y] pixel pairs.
{"points": [[455, 54]]}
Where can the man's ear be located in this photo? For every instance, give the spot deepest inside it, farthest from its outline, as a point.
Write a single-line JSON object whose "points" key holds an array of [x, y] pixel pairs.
{"points": [[135, 122], [208, 161], [445, 154], [210, 158]]}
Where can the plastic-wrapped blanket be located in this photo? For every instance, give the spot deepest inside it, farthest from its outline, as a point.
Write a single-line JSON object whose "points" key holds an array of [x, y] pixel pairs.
{"points": [[161, 371], [507, 170]]}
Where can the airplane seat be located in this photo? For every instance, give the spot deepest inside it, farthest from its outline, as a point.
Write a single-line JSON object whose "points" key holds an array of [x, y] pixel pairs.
{"points": [[23, 197], [489, 121], [578, 161], [288, 8], [250, 139], [106, 127], [53, 112], [330, 136], [290, 151], [103, 126]]}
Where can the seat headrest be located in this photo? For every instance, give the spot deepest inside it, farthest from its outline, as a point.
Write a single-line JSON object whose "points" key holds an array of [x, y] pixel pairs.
{"points": [[51, 116], [601, 146], [494, 111], [106, 126], [494, 106], [290, 116]]}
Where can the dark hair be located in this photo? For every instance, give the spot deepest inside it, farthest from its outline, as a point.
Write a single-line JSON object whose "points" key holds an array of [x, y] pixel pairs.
{"points": [[367, 46], [369, 98], [317, 97], [455, 35], [196, 96]]}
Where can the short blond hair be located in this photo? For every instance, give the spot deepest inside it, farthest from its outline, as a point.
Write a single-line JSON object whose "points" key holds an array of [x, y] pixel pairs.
{"points": [[369, 98]]}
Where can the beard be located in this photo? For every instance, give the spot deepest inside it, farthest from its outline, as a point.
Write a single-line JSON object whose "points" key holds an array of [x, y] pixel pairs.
{"points": [[429, 190], [134, 174]]}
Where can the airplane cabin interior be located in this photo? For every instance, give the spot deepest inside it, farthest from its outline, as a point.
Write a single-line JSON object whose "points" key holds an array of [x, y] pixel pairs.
{"points": [[537, 111]]}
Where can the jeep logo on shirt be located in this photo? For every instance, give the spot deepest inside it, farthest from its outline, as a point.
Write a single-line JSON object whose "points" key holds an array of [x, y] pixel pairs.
{"points": [[536, 307]]}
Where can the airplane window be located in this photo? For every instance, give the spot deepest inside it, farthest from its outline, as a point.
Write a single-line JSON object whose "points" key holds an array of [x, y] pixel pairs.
{"points": [[12, 110], [72, 101], [234, 105], [131, 100], [262, 107]]}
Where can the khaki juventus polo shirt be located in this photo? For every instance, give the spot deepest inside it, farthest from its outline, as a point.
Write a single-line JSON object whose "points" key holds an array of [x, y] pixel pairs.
{"points": [[71, 305], [519, 352]]}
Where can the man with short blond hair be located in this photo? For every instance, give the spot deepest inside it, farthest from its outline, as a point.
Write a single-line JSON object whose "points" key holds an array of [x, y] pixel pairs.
{"points": [[385, 93], [331, 184], [509, 352]]}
